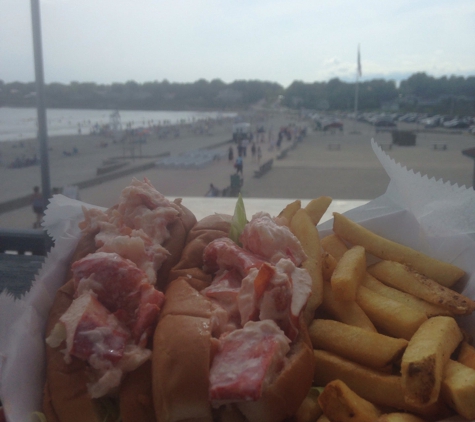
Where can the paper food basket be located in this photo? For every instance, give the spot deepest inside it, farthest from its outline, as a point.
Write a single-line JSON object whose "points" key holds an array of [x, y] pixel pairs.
{"points": [[434, 217]]}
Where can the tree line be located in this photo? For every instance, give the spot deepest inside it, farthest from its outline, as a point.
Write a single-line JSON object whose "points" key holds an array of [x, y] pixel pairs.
{"points": [[419, 92]]}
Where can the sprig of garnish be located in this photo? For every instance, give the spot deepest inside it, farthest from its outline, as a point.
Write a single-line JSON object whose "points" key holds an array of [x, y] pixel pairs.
{"points": [[238, 221]]}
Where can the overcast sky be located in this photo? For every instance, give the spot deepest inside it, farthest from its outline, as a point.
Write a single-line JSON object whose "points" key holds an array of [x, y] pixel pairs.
{"points": [[107, 41]]}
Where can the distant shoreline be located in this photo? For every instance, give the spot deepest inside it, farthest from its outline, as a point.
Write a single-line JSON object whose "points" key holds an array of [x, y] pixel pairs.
{"points": [[178, 109], [19, 123]]}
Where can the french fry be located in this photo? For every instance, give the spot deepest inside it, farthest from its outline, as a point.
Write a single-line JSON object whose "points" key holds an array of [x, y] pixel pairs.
{"points": [[340, 403], [423, 362], [467, 355], [348, 273], [303, 228], [288, 212], [348, 312], [444, 273], [458, 388], [356, 344], [378, 388], [334, 246], [317, 207], [309, 410], [389, 316], [407, 299], [403, 278], [399, 417], [328, 265]]}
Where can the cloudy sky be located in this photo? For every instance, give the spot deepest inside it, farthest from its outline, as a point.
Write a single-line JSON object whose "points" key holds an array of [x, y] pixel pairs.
{"points": [[107, 41]]}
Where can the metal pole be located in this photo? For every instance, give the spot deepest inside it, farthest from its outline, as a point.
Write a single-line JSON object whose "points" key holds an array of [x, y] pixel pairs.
{"points": [[40, 103], [356, 96], [358, 68]]}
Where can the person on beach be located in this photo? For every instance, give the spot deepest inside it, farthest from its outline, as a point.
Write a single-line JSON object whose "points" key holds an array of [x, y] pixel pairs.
{"points": [[245, 143], [38, 206], [259, 155], [213, 191], [231, 154], [238, 165], [253, 151]]}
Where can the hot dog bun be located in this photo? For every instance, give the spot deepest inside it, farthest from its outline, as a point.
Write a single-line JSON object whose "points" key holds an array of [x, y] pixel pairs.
{"points": [[184, 348], [191, 263], [178, 230], [66, 397], [135, 395]]}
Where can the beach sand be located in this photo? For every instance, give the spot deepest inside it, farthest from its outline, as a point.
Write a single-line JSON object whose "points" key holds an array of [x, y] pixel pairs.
{"points": [[314, 168]]}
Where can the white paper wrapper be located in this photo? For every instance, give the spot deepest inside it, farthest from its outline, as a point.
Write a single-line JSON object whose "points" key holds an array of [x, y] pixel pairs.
{"points": [[434, 217]]}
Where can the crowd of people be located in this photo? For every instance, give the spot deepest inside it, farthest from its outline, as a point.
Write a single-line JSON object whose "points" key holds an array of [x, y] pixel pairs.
{"points": [[24, 161], [255, 142]]}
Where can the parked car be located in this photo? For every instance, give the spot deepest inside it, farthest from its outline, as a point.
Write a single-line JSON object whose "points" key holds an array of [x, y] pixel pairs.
{"points": [[384, 123], [332, 125], [456, 124], [430, 122]]}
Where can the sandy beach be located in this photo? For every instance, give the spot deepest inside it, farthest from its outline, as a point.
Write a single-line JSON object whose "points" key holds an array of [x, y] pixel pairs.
{"points": [[341, 165]]}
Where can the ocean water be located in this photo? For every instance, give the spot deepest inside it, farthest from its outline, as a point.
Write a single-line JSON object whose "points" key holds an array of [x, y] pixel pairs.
{"points": [[21, 123]]}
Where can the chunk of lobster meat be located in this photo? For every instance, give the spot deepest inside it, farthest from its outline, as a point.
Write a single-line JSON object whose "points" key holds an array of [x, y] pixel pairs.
{"points": [[121, 287], [94, 220], [92, 332], [138, 248], [146, 317], [142, 207], [115, 280], [285, 300], [252, 289], [108, 377], [224, 254], [264, 237], [247, 361], [224, 291], [277, 293]]}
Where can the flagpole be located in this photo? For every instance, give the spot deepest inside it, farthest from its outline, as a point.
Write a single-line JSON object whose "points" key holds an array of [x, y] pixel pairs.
{"points": [[358, 74], [356, 95]]}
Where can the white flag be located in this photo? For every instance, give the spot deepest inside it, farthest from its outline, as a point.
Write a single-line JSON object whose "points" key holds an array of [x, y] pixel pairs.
{"points": [[359, 62]]}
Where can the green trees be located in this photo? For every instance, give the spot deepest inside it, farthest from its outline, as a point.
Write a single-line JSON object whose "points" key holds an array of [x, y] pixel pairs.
{"points": [[419, 92], [338, 95]]}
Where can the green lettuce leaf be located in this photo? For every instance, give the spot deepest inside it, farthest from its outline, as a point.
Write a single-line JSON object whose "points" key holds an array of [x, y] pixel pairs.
{"points": [[238, 221]]}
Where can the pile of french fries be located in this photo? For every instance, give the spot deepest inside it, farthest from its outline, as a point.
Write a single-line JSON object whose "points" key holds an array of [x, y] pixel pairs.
{"points": [[386, 341]]}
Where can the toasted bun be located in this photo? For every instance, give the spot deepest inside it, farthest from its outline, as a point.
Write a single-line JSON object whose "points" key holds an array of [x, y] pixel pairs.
{"points": [[66, 397], [282, 398], [181, 359], [135, 395], [183, 299], [183, 348], [175, 243], [66, 390], [191, 262], [219, 222], [48, 408]]}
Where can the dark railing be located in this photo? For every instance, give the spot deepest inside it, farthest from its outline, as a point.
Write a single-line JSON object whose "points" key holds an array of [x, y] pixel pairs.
{"points": [[22, 253], [21, 242]]}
